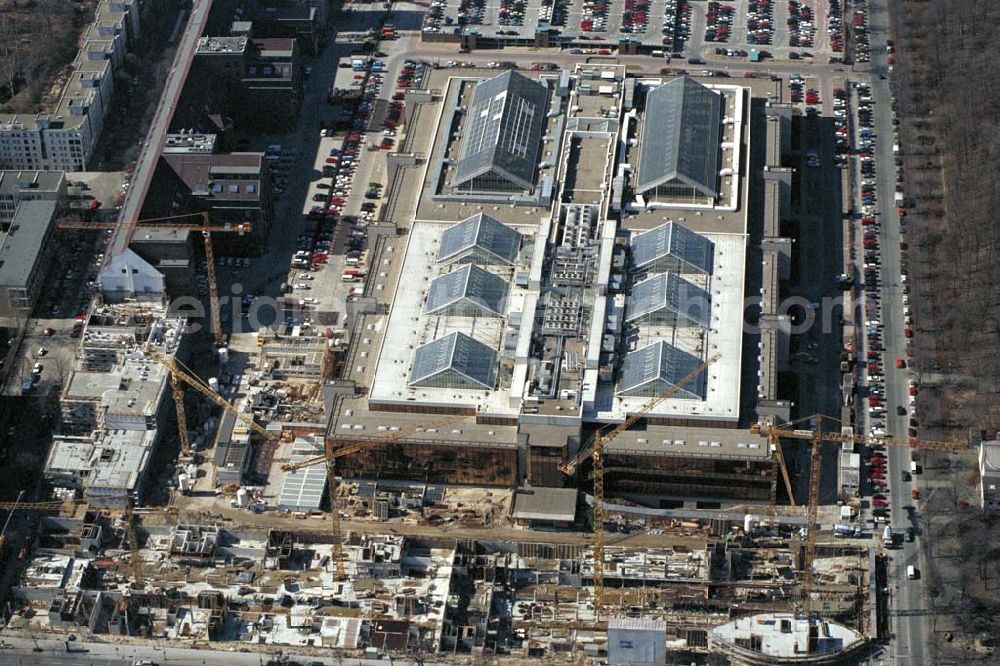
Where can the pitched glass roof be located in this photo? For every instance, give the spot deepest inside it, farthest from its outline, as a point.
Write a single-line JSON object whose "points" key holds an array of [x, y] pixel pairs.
{"points": [[680, 137], [503, 130], [455, 360], [496, 242], [656, 367], [467, 291], [673, 294], [692, 251]]}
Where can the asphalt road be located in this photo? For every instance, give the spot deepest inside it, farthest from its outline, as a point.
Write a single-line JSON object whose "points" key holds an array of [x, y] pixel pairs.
{"points": [[17, 651], [911, 634], [820, 260], [522, 56], [150, 153]]}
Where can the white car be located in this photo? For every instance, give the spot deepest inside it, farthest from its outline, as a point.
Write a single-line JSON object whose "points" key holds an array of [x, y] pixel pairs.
{"points": [[301, 285], [305, 276]]}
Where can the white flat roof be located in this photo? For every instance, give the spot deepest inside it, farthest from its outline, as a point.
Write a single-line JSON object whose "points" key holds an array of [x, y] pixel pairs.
{"points": [[407, 328], [724, 337]]}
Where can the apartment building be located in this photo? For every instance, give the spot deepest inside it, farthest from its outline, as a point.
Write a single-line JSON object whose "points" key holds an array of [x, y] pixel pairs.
{"points": [[18, 186], [25, 250]]}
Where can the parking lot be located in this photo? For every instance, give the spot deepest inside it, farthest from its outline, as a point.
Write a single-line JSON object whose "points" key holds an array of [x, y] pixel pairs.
{"points": [[779, 29], [333, 181]]}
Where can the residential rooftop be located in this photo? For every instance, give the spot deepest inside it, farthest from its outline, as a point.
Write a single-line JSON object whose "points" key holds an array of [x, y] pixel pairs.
{"points": [[21, 246]]}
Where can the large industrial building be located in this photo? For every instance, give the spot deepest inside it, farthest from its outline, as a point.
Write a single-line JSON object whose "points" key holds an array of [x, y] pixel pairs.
{"points": [[603, 261]]}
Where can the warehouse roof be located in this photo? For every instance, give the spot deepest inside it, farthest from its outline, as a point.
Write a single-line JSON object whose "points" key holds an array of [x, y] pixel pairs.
{"points": [[24, 242], [668, 293], [455, 360], [688, 251], [467, 291], [680, 137], [503, 130], [482, 239], [549, 504], [656, 367], [303, 488]]}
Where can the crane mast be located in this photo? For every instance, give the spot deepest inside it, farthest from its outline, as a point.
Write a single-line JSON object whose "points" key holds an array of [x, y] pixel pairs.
{"points": [[816, 436], [597, 458], [329, 458]]}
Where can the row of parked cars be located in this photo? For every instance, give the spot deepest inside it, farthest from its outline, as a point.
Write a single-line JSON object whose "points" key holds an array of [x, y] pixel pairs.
{"points": [[676, 24], [862, 43], [555, 12], [511, 12], [801, 31], [834, 28], [872, 228], [872, 267], [435, 17], [760, 22], [594, 16], [718, 22], [279, 162], [796, 85], [732, 53], [840, 127], [635, 19]]}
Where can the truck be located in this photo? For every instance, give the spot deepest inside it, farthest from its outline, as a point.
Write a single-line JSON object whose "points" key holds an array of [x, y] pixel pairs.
{"points": [[845, 531], [887, 537]]}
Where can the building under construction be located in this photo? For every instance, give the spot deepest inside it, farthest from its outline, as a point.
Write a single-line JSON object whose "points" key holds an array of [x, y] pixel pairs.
{"points": [[265, 590]]}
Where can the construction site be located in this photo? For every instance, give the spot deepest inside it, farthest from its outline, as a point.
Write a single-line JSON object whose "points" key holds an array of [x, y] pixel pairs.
{"points": [[538, 430], [391, 593]]}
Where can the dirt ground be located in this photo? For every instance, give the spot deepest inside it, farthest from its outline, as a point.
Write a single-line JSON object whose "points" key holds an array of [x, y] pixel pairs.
{"points": [[39, 38]]}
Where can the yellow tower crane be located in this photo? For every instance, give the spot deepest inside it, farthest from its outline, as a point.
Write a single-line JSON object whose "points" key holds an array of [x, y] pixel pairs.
{"points": [[817, 436], [138, 578], [596, 452], [329, 458], [128, 518], [178, 371]]}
